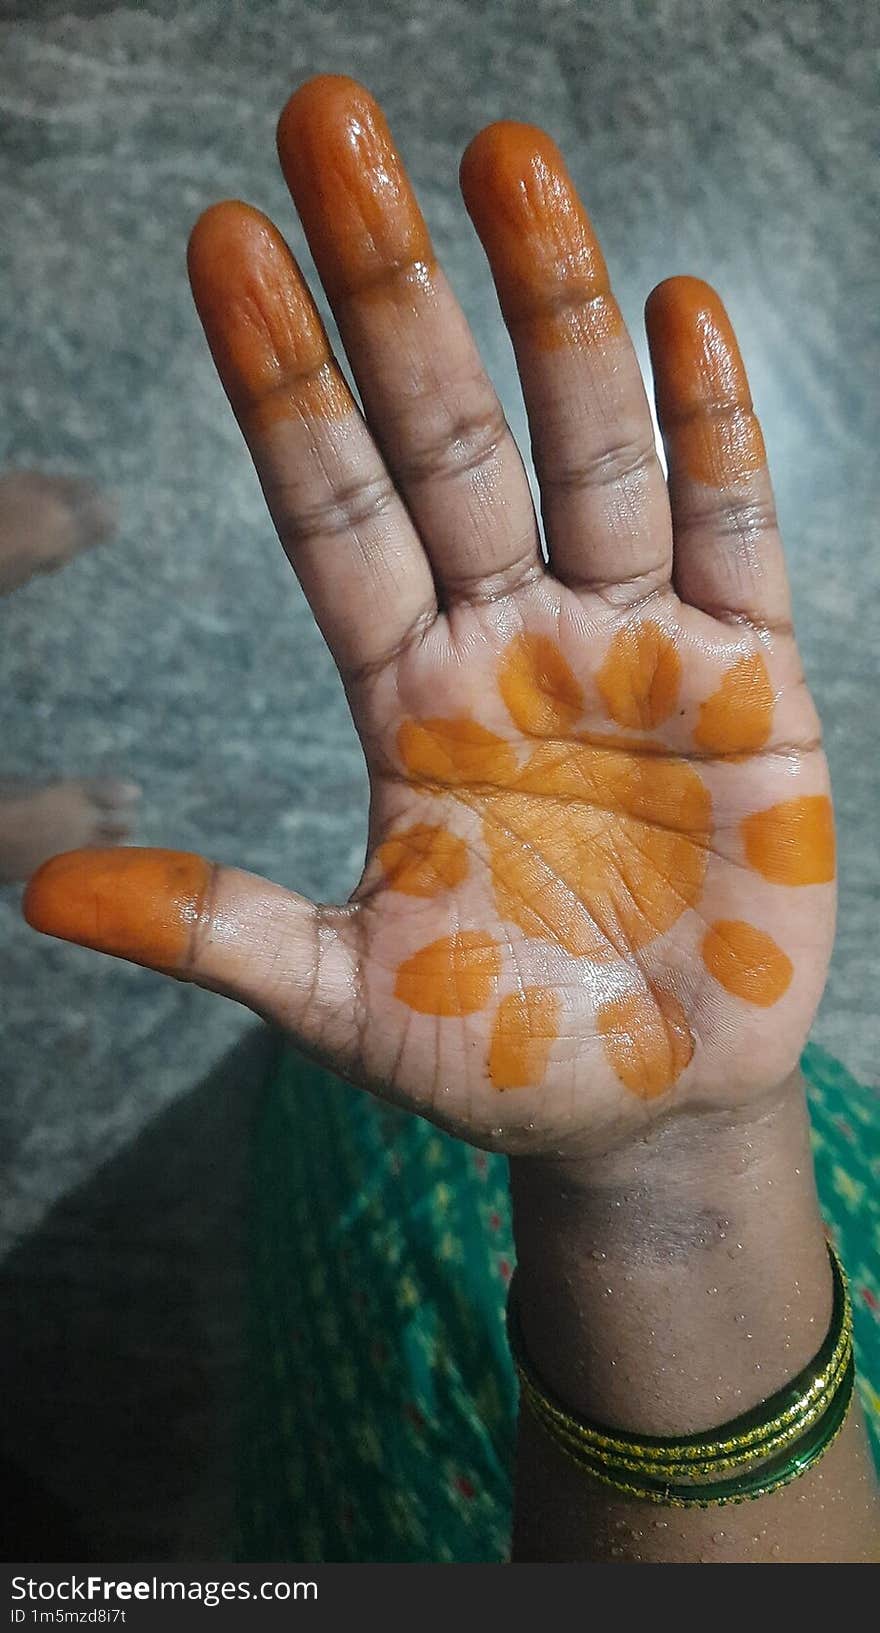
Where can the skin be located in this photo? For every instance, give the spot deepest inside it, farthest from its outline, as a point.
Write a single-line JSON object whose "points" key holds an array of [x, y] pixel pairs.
{"points": [[38, 821], [583, 929], [46, 521]]}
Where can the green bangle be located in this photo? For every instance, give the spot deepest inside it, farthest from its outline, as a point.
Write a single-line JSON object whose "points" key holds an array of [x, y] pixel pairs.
{"points": [[755, 1453], [712, 1464]]}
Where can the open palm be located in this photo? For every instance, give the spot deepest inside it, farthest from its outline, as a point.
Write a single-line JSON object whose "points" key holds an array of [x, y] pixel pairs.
{"points": [[600, 872]]}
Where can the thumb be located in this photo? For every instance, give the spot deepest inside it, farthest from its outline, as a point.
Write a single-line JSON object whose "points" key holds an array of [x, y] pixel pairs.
{"points": [[216, 926]]}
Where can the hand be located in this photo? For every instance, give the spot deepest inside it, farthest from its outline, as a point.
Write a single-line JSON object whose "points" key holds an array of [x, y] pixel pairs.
{"points": [[599, 881]]}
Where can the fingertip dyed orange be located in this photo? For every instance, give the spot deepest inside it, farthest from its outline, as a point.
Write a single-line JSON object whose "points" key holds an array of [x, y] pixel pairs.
{"points": [[524, 1029], [703, 399], [349, 185], [423, 860], [546, 261], [640, 679], [737, 718], [542, 695], [453, 976], [262, 325], [747, 962], [647, 1039], [792, 843], [143, 905]]}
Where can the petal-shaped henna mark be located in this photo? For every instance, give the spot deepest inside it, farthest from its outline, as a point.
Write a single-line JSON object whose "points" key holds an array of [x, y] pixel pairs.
{"points": [[647, 1040], [453, 976], [746, 962], [792, 843], [423, 860], [542, 695], [455, 754], [736, 719], [640, 678], [524, 1029]]}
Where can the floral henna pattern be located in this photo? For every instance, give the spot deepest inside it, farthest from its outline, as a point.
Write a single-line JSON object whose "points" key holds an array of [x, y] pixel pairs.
{"points": [[597, 844]]}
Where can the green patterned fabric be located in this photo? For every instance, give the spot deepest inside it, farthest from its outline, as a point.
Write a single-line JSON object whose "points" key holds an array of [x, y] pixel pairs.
{"points": [[381, 1401], [846, 1149]]}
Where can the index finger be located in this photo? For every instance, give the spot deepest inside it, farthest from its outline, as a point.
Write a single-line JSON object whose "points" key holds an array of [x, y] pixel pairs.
{"points": [[338, 515]]}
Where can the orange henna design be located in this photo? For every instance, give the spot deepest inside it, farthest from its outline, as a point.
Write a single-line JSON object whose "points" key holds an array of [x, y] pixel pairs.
{"points": [[353, 195], [737, 718], [455, 753], [599, 849], [792, 843], [746, 962], [423, 861], [600, 846], [548, 268], [525, 1027], [647, 1040], [143, 905], [703, 398], [453, 976], [640, 678], [262, 325], [541, 693]]}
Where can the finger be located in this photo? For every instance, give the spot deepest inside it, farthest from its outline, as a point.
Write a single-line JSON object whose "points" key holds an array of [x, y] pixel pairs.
{"points": [[728, 554], [215, 926], [338, 516], [603, 495], [425, 393]]}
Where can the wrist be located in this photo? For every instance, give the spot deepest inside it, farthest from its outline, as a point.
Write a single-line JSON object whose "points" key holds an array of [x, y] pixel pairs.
{"points": [[677, 1281]]}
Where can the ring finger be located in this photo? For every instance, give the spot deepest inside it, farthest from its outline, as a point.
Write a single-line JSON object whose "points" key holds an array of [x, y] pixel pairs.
{"points": [[603, 494]]}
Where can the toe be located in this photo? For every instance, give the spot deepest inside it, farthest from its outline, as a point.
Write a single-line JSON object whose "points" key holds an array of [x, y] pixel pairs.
{"points": [[95, 516], [112, 793], [112, 833]]}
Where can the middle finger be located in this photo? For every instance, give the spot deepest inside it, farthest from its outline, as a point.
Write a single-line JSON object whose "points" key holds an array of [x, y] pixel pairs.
{"points": [[425, 393]]}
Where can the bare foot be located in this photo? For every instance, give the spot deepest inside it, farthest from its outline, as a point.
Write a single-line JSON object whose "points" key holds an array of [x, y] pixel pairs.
{"points": [[45, 521], [36, 823]]}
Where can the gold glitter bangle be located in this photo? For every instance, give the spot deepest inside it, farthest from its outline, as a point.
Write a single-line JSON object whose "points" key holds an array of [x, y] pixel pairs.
{"points": [[696, 1468], [756, 1483], [754, 1453]]}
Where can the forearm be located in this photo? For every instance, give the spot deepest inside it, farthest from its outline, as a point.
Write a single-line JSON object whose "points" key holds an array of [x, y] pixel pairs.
{"points": [[667, 1288]]}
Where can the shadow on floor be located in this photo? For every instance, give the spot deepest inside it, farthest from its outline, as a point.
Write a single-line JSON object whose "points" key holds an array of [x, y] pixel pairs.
{"points": [[122, 1341]]}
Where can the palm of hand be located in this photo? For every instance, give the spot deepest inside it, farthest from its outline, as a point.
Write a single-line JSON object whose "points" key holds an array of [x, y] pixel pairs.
{"points": [[599, 883], [583, 848]]}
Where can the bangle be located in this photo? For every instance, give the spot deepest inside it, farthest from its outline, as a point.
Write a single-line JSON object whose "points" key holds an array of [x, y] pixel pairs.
{"points": [[748, 1457]]}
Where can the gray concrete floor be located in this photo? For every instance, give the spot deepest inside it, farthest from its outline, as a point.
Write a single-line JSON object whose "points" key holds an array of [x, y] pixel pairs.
{"points": [[732, 141]]}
